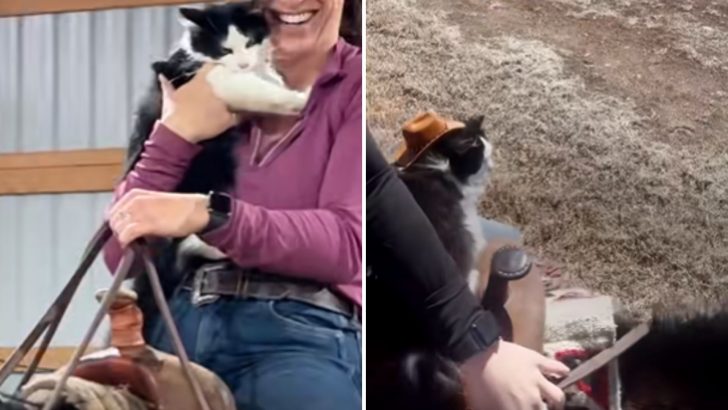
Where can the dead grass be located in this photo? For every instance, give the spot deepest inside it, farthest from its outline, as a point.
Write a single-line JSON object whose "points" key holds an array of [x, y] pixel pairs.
{"points": [[578, 171], [697, 27]]}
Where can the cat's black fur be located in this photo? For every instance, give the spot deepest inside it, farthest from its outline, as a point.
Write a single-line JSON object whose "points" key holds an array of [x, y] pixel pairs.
{"points": [[440, 192], [418, 381], [681, 363], [214, 167], [414, 375]]}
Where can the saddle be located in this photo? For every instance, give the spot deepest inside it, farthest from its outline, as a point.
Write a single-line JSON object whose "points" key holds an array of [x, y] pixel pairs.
{"points": [[510, 286], [129, 375], [126, 363], [151, 375]]}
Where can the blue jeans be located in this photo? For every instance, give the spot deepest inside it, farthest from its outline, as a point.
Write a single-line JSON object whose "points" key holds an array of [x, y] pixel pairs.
{"points": [[273, 354]]}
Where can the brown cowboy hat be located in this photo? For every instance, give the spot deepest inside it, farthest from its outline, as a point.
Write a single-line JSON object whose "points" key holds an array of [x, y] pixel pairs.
{"points": [[420, 133]]}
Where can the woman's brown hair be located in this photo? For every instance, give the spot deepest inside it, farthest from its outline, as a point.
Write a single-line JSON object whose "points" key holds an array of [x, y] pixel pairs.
{"points": [[351, 22]]}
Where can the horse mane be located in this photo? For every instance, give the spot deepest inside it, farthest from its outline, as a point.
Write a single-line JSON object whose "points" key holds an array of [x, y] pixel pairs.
{"points": [[679, 363]]}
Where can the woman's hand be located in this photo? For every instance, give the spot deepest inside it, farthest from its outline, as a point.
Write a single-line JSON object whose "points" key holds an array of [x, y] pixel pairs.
{"points": [[193, 111], [146, 213], [510, 377]]}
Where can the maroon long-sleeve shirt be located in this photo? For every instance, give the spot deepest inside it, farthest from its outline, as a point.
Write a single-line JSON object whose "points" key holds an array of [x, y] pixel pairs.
{"points": [[298, 209]]}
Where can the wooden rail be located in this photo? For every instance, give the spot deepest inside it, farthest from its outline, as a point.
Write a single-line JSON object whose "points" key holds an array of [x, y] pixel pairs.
{"points": [[54, 357], [60, 171], [29, 7]]}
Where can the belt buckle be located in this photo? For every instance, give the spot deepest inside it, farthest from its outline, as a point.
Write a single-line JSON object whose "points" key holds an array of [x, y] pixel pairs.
{"points": [[198, 299]]}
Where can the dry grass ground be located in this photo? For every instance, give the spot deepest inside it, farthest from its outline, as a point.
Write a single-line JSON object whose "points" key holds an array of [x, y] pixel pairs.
{"points": [[609, 121]]}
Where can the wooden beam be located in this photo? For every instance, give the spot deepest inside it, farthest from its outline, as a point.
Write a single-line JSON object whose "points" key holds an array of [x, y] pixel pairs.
{"points": [[29, 7], [60, 171], [50, 159], [53, 359]]}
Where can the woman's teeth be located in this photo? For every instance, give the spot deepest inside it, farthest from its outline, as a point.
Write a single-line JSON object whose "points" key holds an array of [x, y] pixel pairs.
{"points": [[299, 18]]}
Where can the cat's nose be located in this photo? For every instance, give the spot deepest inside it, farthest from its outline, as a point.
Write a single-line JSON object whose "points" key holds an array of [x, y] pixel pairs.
{"points": [[244, 66]]}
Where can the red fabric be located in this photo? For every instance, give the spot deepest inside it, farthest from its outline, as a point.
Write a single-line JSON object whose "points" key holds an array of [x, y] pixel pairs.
{"points": [[597, 385]]}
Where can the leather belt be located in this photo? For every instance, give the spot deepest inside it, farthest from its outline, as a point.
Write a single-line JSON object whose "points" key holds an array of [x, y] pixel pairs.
{"points": [[213, 280]]}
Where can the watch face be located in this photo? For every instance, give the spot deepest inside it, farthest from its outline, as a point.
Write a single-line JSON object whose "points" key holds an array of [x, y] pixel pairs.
{"points": [[220, 203]]}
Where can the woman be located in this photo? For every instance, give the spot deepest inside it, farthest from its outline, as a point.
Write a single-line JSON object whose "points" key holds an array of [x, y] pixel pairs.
{"points": [[416, 275], [287, 335]]}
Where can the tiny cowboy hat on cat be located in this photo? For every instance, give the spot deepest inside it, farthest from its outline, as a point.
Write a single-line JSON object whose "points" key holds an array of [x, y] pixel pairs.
{"points": [[420, 133]]}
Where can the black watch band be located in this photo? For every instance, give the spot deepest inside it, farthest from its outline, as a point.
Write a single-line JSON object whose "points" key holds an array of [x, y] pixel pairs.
{"points": [[219, 208]]}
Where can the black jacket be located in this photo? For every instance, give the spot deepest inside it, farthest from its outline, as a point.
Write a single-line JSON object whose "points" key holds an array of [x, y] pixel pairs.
{"points": [[414, 285]]}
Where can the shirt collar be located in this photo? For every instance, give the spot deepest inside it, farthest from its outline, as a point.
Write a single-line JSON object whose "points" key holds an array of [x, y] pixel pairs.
{"points": [[334, 64]]}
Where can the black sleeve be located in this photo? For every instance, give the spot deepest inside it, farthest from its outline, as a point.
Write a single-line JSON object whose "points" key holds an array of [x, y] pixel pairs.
{"points": [[397, 226]]}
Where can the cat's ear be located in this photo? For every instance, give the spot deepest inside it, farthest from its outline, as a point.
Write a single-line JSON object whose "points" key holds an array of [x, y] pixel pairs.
{"points": [[159, 67], [477, 122], [192, 17]]}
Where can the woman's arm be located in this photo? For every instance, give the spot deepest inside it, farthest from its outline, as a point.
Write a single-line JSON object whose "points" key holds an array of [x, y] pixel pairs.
{"points": [[322, 244], [494, 373], [398, 231], [161, 167], [190, 114]]}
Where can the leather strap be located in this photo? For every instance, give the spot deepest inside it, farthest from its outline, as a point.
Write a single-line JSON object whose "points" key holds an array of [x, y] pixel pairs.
{"points": [[50, 320], [52, 317], [605, 356]]}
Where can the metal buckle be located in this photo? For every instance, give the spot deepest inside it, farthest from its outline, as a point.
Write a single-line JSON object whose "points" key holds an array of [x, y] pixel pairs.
{"points": [[198, 299]]}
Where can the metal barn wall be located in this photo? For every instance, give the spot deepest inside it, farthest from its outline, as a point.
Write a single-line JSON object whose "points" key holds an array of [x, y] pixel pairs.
{"points": [[67, 81]]}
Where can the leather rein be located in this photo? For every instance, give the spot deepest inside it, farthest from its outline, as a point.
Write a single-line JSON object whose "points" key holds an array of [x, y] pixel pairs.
{"points": [[50, 320]]}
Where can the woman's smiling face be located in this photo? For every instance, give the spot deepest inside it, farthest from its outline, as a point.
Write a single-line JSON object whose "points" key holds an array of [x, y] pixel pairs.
{"points": [[303, 27]]}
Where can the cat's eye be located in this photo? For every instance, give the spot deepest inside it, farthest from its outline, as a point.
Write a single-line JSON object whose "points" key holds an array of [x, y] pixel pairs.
{"points": [[226, 50]]}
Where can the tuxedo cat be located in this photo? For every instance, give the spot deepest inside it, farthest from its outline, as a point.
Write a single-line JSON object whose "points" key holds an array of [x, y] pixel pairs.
{"points": [[448, 181], [234, 37]]}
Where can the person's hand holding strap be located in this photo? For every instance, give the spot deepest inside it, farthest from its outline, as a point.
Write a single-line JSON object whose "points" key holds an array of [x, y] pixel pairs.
{"points": [[507, 376]]}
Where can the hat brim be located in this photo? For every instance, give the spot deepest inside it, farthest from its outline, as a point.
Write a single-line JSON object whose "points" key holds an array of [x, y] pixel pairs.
{"points": [[406, 157]]}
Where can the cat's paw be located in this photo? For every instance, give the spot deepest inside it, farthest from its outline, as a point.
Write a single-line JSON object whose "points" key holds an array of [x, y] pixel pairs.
{"points": [[194, 246], [247, 91], [294, 104]]}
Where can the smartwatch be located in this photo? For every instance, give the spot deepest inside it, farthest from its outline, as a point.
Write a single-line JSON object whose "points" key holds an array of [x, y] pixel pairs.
{"points": [[219, 207]]}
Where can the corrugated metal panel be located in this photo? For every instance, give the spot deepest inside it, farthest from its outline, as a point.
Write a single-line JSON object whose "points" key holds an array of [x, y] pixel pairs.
{"points": [[37, 100], [71, 80], [41, 241], [67, 81], [74, 64], [10, 84], [11, 383]]}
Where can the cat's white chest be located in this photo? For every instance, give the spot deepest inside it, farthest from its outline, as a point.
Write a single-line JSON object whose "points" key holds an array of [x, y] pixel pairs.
{"points": [[473, 225], [194, 246], [471, 197]]}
